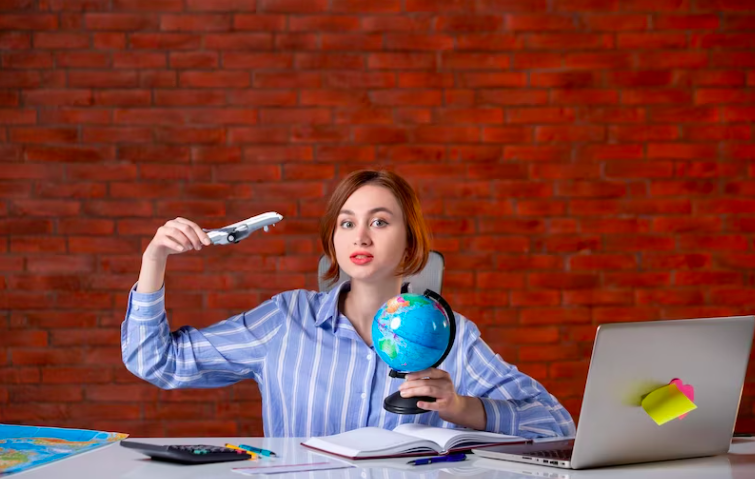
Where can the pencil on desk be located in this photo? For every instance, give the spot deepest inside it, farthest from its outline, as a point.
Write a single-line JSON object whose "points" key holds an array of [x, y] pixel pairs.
{"points": [[253, 454]]}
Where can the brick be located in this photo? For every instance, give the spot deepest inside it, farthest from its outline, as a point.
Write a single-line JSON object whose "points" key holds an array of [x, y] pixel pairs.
{"points": [[655, 97], [302, 41], [584, 96], [70, 190], [28, 60], [69, 154], [236, 60], [569, 134], [680, 59], [401, 61], [616, 22], [43, 135], [21, 244], [17, 5], [595, 262], [148, 5], [509, 134], [640, 242], [318, 134], [221, 5], [651, 40], [713, 242], [732, 296], [17, 116], [277, 154], [349, 42], [254, 135], [694, 278], [109, 40], [287, 80], [512, 97], [168, 41], [655, 6], [357, 6], [127, 22], [687, 22], [643, 133], [588, 297], [606, 61], [103, 79], [186, 97], [15, 41], [418, 42], [195, 22], [259, 22], [238, 41], [683, 225], [684, 114], [58, 41], [541, 115], [722, 133], [562, 280], [116, 135], [475, 61], [669, 297], [614, 115], [676, 261], [539, 22], [624, 314], [217, 79], [380, 134], [645, 279], [564, 171], [488, 42], [328, 61], [117, 209]]}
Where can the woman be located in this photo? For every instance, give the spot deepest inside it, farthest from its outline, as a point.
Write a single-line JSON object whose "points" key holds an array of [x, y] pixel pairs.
{"points": [[311, 353]]}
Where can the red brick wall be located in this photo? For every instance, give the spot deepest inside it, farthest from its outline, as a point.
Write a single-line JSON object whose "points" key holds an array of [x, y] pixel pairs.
{"points": [[580, 162]]}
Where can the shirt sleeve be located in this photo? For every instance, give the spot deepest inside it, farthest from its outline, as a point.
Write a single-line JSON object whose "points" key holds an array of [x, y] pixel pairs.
{"points": [[219, 355], [514, 403]]}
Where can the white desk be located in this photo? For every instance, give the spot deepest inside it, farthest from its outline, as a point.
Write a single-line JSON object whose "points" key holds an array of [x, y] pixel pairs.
{"points": [[116, 462]]}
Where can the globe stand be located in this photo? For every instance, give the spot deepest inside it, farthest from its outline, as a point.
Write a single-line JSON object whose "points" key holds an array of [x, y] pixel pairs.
{"points": [[397, 404]]}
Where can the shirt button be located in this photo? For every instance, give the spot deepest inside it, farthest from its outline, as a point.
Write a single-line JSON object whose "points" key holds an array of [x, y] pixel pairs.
{"points": [[136, 308], [369, 357], [364, 395]]}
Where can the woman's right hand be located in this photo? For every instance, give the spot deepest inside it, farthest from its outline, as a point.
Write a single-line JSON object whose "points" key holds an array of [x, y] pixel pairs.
{"points": [[174, 237]]}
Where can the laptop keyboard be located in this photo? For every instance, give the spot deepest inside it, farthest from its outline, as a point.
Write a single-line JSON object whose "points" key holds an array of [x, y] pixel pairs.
{"points": [[564, 454]]}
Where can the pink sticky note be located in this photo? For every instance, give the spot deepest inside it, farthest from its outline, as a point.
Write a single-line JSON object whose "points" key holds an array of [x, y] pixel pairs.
{"points": [[686, 389]]}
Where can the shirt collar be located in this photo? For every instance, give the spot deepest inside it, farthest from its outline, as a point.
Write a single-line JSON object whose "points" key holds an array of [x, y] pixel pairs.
{"points": [[329, 306]]}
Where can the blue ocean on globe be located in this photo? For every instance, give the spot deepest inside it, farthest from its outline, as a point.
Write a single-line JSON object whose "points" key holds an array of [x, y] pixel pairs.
{"points": [[410, 332]]}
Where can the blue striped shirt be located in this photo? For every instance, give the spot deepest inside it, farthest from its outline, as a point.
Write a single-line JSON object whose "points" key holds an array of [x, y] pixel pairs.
{"points": [[315, 373]]}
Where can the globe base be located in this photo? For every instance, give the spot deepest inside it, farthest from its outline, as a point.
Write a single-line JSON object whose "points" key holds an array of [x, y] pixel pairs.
{"points": [[401, 405]]}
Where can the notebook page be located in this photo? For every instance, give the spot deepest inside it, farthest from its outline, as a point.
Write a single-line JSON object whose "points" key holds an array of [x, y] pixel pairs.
{"points": [[450, 438], [373, 440]]}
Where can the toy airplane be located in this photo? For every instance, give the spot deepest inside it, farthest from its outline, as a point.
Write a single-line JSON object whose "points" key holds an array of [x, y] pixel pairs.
{"points": [[241, 230]]}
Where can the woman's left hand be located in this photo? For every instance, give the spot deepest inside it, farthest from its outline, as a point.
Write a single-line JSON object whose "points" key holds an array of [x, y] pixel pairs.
{"points": [[437, 385]]}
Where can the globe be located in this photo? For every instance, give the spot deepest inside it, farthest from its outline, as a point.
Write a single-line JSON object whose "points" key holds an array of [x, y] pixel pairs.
{"points": [[410, 333]]}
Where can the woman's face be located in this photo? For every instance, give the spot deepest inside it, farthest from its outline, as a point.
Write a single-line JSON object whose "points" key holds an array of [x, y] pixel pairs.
{"points": [[370, 234]]}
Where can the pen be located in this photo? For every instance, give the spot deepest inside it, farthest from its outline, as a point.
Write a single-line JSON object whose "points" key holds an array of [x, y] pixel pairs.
{"points": [[258, 450], [433, 460], [251, 453]]}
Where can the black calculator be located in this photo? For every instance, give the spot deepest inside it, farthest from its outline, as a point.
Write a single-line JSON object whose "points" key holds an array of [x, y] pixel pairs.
{"points": [[188, 454]]}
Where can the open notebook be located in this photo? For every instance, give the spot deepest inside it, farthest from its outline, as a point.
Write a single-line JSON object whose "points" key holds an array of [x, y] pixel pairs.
{"points": [[405, 440]]}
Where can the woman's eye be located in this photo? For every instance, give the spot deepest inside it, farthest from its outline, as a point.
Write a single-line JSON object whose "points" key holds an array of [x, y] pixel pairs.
{"points": [[346, 224], [379, 223]]}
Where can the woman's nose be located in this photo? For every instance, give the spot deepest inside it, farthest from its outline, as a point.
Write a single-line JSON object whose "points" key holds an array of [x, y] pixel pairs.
{"points": [[362, 236]]}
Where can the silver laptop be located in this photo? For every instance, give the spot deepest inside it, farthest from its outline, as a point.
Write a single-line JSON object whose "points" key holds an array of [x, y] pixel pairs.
{"points": [[629, 360]]}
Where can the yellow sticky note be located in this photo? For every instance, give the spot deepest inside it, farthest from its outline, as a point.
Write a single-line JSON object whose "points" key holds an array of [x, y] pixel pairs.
{"points": [[667, 403]]}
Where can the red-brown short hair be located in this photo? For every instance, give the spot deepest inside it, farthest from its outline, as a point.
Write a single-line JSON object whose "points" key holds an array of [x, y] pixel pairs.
{"points": [[417, 234]]}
